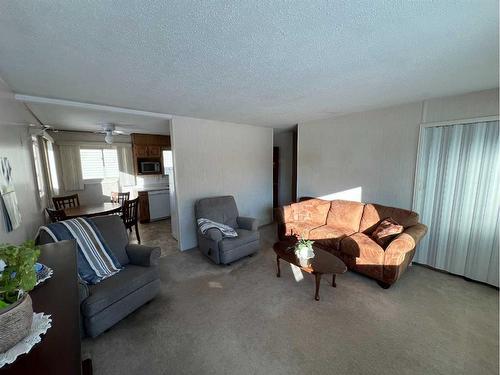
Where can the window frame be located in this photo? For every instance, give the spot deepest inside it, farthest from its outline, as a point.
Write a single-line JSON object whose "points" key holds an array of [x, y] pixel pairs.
{"points": [[89, 181], [38, 167]]}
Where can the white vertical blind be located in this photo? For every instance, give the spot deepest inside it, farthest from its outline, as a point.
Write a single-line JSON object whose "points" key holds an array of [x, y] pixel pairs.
{"points": [[126, 166], [457, 193]]}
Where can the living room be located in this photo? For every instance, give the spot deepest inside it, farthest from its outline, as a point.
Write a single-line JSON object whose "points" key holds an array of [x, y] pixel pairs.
{"points": [[379, 212]]}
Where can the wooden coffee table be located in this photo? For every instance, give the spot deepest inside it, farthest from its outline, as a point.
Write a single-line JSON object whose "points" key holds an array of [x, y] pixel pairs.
{"points": [[322, 263]]}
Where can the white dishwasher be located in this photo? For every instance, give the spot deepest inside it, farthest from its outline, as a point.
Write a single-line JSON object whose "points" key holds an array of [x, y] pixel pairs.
{"points": [[159, 204]]}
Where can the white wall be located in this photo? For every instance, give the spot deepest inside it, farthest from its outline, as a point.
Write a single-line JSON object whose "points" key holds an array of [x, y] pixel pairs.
{"points": [[284, 140], [371, 155], [219, 158], [15, 144]]}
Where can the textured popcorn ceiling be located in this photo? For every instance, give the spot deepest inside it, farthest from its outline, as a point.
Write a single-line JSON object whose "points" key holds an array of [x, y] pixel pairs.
{"points": [[261, 62]]}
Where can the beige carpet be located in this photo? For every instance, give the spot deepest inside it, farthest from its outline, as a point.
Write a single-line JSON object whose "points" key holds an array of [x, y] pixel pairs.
{"points": [[241, 319]]}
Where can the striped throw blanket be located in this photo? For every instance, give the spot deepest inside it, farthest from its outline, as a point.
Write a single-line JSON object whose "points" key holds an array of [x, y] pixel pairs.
{"points": [[95, 260], [226, 230]]}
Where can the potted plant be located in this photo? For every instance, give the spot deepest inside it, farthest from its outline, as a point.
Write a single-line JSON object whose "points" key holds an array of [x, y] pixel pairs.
{"points": [[304, 251], [17, 278]]}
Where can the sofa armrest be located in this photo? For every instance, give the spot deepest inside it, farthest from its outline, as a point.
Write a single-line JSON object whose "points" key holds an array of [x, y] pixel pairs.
{"points": [[83, 291], [212, 234], [284, 214], [406, 242], [247, 223], [399, 253], [141, 255]]}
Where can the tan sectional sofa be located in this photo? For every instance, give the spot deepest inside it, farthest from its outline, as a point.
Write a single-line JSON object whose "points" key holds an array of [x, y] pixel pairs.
{"points": [[345, 227]]}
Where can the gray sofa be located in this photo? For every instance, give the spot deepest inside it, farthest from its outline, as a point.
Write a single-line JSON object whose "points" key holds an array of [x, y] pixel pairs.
{"points": [[226, 250], [104, 304]]}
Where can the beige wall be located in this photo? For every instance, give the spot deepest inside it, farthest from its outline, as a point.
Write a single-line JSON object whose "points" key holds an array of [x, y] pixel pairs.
{"points": [[371, 155], [15, 144], [218, 158]]}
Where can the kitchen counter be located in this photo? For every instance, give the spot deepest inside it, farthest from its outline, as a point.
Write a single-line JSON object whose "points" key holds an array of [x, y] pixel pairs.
{"points": [[150, 188]]}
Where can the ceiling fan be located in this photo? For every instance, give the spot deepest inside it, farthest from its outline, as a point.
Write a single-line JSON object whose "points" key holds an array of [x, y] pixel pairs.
{"points": [[110, 131]]}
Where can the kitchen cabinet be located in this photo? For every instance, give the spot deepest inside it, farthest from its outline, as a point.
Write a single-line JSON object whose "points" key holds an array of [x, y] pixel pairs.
{"points": [[154, 205], [143, 207], [148, 148], [141, 151], [154, 151]]}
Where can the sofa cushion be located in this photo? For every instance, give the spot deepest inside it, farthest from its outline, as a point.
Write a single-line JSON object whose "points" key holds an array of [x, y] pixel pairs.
{"points": [[368, 255], [313, 211], [115, 288], [299, 229], [244, 237], [373, 214], [386, 231], [345, 214], [114, 234], [329, 237]]}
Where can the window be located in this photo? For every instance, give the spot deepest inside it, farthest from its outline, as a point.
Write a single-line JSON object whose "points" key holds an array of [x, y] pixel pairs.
{"points": [[51, 160], [38, 166], [99, 163], [167, 161]]}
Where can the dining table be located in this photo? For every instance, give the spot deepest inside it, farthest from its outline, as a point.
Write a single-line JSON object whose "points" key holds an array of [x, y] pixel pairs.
{"points": [[106, 208]]}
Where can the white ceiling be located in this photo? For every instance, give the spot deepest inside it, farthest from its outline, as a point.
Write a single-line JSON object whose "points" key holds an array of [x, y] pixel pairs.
{"points": [[266, 63], [71, 118]]}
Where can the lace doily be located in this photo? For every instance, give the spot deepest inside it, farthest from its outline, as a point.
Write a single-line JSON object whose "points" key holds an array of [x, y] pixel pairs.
{"points": [[41, 323], [44, 274]]}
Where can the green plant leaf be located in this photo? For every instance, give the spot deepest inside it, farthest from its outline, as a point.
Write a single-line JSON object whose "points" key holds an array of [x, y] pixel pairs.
{"points": [[19, 273]]}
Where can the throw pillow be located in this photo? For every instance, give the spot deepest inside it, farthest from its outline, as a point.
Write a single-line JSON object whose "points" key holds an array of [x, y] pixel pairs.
{"points": [[386, 231], [205, 224]]}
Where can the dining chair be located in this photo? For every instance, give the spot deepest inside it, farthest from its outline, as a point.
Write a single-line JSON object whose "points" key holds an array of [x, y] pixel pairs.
{"points": [[130, 211], [56, 215], [117, 197], [67, 201]]}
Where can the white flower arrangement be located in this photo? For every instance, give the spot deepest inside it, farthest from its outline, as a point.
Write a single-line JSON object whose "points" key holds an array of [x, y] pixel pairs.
{"points": [[304, 249]]}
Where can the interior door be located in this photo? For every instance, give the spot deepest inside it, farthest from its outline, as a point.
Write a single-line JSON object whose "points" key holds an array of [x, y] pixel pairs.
{"points": [[276, 174]]}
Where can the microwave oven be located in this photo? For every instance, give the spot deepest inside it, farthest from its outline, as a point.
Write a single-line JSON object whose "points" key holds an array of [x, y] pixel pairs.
{"points": [[149, 167]]}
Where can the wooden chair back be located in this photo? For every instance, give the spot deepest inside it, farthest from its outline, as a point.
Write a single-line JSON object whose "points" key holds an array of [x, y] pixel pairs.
{"points": [[130, 212], [117, 197], [60, 203], [56, 215]]}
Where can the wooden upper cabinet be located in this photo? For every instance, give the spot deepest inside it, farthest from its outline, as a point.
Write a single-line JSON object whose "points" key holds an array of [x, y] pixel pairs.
{"points": [[154, 151], [151, 140], [149, 147], [141, 151]]}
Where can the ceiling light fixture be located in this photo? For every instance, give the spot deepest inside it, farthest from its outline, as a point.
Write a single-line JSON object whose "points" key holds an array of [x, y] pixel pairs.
{"points": [[108, 130]]}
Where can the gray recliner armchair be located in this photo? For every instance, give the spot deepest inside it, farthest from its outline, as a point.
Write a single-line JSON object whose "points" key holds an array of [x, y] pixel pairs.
{"points": [[226, 250], [104, 304]]}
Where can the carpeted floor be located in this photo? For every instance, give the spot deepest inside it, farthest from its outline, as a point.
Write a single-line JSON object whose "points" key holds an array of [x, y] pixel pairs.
{"points": [[241, 319]]}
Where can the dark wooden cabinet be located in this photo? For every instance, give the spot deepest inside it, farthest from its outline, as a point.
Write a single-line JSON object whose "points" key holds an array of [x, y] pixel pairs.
{"points": [[59, 350], [154, 151], [147, 148], [141, 151], [143, 207]]}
